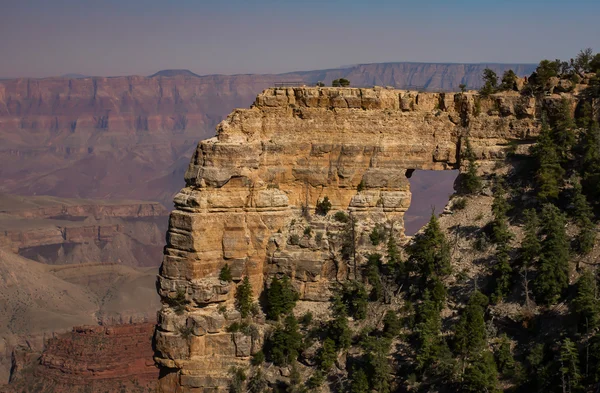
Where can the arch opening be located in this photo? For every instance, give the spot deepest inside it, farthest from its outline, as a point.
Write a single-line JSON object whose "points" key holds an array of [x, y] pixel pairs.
{"points": [[430, 190]]}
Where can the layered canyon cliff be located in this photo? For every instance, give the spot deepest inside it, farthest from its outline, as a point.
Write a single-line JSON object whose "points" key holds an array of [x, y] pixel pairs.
{"points": [[73, 137], [251, 195]]}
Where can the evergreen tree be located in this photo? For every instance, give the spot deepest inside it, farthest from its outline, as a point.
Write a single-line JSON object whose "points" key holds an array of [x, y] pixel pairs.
{"points": [[225, 274], [590, 166], [563, 133], [338, 329], [504, 357], [391, 324], [502, 236], [359, 382], [583, 214], [285, 343], [243, 298], [327, 355], [470, 181], [549, 172], [490, 82], [509, 81], [428, 333], [377, 364], [355, 296], [569, 367], [586, 304], [481, 374], [553, 265], [470, 333], [429, 253], [281, 298], [530, 246], [372, 273]]}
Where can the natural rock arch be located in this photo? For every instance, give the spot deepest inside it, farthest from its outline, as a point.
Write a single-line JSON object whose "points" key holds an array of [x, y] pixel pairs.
{"points": [[246, 187]]}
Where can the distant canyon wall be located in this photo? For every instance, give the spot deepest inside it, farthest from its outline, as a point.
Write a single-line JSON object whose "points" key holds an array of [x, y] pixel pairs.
{"points": [[131, 137]]}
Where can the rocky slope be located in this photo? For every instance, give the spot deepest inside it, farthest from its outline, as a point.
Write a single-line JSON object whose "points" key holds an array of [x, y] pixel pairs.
{"points": [[72, 137], [38, 300], [251, 192], [58, 230], [89, 359]]}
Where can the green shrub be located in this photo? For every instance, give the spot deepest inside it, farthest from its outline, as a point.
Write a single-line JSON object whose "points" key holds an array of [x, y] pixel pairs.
{"points": [[179, 302], [294, 240], [308, 232], [376, 236], [323, 206], [306, 319], [225, 274], [258, 358], [361, 186], [340, 216], [459, 204]]}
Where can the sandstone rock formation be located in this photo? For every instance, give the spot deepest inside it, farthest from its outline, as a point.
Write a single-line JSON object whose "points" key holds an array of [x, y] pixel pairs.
{"points": [[251, 193]]}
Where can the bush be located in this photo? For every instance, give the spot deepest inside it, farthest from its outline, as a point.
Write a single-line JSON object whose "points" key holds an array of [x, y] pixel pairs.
{"points": [[340, 216], [391, 324], [294, 240], [258, 358], [361, 186], [243, 298], [323, 207], [306, 319], [376, 236], [225, 274], [342, 82], [179, 302], [459, 204]]}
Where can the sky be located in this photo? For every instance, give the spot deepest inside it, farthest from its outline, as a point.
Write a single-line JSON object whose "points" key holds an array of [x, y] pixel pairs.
{"points": [[43, 38]]}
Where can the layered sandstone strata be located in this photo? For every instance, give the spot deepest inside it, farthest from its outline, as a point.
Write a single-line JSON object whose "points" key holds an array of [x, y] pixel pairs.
{"points": [[90, 359], [251, 192]]}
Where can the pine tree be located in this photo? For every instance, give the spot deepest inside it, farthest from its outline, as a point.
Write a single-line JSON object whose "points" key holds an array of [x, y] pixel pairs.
{"points": [[327, 355], [243, 298], [509, 81], [553, 265], [569, 366], [502, 236], [338, 329], [285, 343], [504, 357], [359, 382], [590, 166], [470, 333], [427, 332], [531, 246], [377, 364], [429, 252], [391, 324], [549, 173], [225, 274], [583, 214], [281, 298], [470, 181], [355, 296], [586, 304], [481, 374], [563, 131], [372, 273]]}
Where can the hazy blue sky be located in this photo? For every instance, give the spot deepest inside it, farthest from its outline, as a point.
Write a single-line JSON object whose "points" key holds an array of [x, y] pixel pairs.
{"points": [[123, 37]]}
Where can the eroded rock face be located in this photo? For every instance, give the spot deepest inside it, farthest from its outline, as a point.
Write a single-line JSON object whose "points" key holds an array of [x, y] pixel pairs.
{"points": [[250, 189]]}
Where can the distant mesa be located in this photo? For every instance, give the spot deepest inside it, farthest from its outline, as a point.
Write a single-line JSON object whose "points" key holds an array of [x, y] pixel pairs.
{"points": [[171, 73]]}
